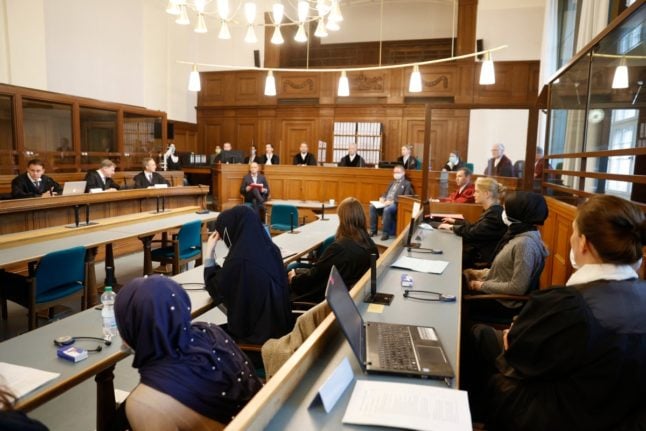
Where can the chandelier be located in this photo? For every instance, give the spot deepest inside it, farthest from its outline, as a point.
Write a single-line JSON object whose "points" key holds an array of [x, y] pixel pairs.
{"points": [[326, 14]]}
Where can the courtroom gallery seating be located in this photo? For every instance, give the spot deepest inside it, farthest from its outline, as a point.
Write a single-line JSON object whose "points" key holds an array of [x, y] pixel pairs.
{"points": [[185, 246]]}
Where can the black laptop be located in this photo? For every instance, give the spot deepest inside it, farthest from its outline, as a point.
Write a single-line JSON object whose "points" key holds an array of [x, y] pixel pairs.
{"points": [[386, 347]]}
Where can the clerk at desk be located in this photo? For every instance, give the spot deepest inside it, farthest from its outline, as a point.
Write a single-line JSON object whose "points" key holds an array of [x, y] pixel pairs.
{"points": [[102, 178], [148, 177], [34, 183]]}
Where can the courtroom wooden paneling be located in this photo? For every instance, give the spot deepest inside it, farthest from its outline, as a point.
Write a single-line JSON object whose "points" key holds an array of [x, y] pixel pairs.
{"points": [[556, 234], [185, 136]]}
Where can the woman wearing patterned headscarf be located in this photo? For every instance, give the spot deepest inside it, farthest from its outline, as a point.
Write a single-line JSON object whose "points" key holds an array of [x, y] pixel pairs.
{"points": [[193, 376]]}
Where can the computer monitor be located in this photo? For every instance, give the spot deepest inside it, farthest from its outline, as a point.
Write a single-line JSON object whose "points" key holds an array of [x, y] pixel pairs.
{"points": [[416, 218], [231, 156]]}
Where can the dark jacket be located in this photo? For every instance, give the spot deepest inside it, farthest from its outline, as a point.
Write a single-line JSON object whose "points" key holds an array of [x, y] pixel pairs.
{"points": [[504, 169], [310, 160], [275, 160], [480, 238], [358, 161], [411, 163], [446, 167], [350, 258], [94, 181], [404, 188], [249, 195], [22, 187], [576, 360], [141, 182]]}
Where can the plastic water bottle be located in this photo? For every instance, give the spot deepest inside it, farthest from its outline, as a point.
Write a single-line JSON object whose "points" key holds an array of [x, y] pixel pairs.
{"points": [[107, 313]]}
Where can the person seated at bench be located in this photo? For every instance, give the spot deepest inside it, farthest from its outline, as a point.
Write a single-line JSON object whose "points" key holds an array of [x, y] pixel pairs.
{"points": [[102, 177], [453, 163], [34, 183], [255, 189], [148, 177], [304, 157], [352, 159], [407, 160], [575, 357], [350, 253], [399, 186], [252, 282], [192, 375], [269, 158], [519, 256], [479, 239], [464, 194]]}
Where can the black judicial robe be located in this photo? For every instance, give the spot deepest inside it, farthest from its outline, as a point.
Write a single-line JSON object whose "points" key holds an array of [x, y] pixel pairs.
{"points": [[576, 360]]}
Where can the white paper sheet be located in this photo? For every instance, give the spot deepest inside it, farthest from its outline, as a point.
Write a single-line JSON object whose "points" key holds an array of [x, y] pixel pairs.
{"points": [[377, 204], [421, 265], [407, 405], [22, 380]]}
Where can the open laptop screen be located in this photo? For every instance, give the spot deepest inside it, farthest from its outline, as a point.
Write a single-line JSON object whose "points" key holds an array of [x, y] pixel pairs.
{"points": [[74, 188], [415, 220], [346, 312]]}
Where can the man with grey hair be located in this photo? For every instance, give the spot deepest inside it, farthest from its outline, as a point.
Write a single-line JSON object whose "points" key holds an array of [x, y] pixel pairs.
{"points": [[102, 177], [499, 165], [352, 159]]}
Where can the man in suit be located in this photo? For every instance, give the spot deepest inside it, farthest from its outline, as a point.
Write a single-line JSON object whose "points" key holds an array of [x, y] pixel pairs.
{"points": [[34, 183], [255, 189], [253, 156], [148, 177], [304, 157], [499, 165], [352, 159], [102, 177], [269, 158], [407, 160], [464, 194], [399, 186]]}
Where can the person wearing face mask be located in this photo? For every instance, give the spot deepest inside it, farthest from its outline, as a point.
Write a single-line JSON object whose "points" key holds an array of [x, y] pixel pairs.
{"points": [[479, 239], [454, 163], [575, 357], [519, 256], [388, 208], [252, 283]]}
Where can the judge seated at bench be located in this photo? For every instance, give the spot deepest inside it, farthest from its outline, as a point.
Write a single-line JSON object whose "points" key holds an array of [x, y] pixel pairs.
{"points": [[148, 177], [352, 159], [388, 203], [255, 189], [269, 158], [407, 160], [34, 183], [304, 157], [101, 179]]}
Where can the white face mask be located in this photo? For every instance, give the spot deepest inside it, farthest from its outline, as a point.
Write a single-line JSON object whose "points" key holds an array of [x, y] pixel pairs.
{"points": [[505, 219], [453, 160], [572, 260], [398, 177]]}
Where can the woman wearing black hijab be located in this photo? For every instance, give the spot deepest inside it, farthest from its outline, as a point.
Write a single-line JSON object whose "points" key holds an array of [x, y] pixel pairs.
{"points": [[252, 283], [193, 376], [519, 256]]}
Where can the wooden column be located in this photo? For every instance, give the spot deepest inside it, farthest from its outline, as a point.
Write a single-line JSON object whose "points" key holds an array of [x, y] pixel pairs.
{"points": [[467, 21]]}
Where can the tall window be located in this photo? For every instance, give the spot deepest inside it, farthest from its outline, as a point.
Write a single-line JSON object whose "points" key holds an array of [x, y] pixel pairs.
{"points": [[623, 134], [567, 28]]}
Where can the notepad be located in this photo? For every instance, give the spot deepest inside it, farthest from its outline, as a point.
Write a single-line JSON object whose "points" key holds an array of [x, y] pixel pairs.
{"points": [[420, 265], [406, 405], [22, 380], [377, 204]]}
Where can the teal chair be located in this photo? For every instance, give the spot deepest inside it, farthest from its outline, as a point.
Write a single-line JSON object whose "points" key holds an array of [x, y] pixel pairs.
{"points": [[469, 166], [315, 255], [58, 277], [185, 246], [282, 217]]}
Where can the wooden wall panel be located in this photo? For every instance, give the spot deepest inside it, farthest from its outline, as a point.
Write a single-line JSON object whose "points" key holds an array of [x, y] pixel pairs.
{"points": [[293, 132], [249, 88], [369, 83], [556, 234], [297, 85], [246, 135]]}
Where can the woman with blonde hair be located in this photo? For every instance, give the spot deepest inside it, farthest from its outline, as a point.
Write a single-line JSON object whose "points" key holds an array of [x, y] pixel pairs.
{"points": [[350, 253], [479, 239]]}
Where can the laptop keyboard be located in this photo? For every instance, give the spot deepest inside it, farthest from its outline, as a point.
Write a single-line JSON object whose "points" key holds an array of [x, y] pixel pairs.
{"points": [[396, 350]]}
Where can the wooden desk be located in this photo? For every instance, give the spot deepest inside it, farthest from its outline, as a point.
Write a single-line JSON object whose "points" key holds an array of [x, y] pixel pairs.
{"points": [[284, 401], [307, 210], [36, 349], [470, 212]]}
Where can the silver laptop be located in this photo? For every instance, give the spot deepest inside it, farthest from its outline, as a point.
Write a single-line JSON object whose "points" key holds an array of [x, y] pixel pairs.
{"points": [[74, 187], [387, 347]]}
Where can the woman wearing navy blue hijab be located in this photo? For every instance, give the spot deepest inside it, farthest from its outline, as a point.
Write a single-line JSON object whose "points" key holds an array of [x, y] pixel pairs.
{"points": [[193, 376], [252, 282]]}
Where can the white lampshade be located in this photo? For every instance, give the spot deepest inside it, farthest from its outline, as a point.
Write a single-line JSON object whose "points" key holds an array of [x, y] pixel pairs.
{"points": [[200, 5], [415, 84], [277, 11], [223, 9], [277, 37], [303, 10], [270, 84], [487, 73], [250, 12], [344, 85], [332, 25], [300, 34], [321, 31], [182, 19], [224, 31], [620, 80], [335, 13], [250, 36], [194, 80], [201, 24], [173, 8]]}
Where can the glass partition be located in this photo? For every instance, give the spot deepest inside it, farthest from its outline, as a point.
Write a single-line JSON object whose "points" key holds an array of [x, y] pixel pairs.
{"points": [[98, 136], [47, 130], [8, 154], [142, 138]]}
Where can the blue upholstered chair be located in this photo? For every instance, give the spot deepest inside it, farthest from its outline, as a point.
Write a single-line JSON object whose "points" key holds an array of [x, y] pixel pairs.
{"points": [[58, 277], [314, 256], [185, 246], [283, 217]]}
